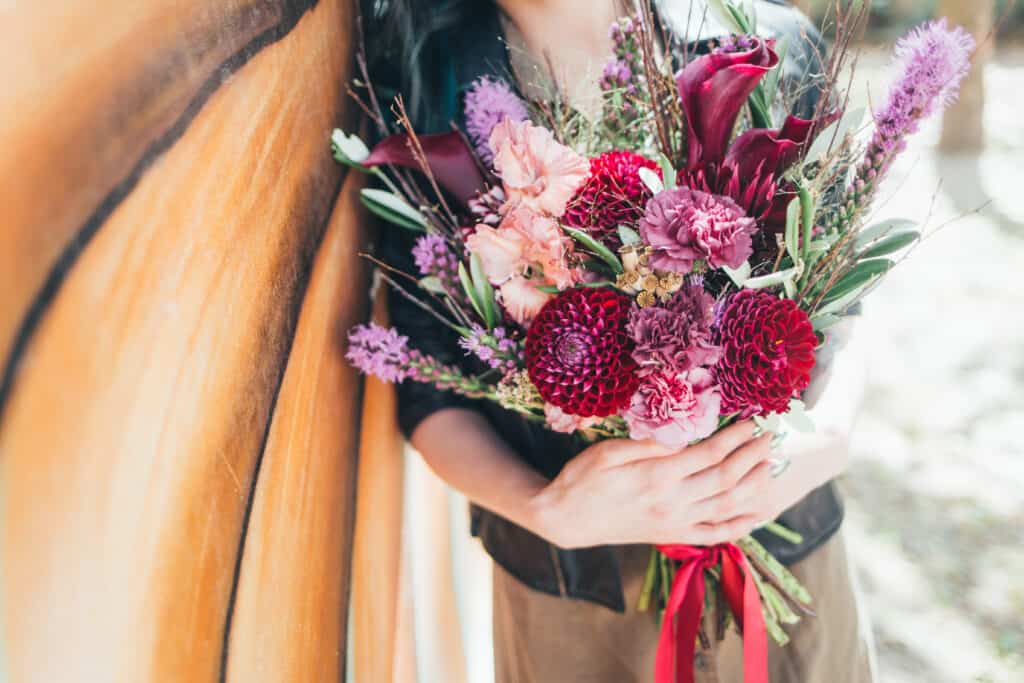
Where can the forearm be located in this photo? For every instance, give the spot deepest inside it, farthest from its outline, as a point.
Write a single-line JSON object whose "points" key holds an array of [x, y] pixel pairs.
{"points": [[463, 449]]}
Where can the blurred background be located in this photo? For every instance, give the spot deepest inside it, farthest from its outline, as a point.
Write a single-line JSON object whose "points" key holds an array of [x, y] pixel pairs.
{"points": [[196, 487]]}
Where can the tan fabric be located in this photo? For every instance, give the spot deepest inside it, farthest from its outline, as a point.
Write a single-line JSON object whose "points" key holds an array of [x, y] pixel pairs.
{"points": [[539, 638]]}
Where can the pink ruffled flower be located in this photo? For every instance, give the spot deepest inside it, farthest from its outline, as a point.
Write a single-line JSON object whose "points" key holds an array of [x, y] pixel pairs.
{"points": [[683, 226], [535, 169], [674, 409], [501, 252], [524, 239], [522, 300], [561, 421]]}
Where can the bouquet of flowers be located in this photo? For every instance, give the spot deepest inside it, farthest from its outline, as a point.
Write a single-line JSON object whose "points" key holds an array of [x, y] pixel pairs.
{"points": [[659, 272]]}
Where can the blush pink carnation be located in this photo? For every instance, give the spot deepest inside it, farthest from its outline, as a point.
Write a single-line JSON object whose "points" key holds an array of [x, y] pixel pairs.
{"points": [[535, 169], [522, 300], [684, 226], [560, 421], [674, 409]]}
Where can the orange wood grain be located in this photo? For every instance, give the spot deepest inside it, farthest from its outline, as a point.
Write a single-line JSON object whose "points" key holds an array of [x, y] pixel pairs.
{"points": [[129, 443], [288, 621], [88, 88]]}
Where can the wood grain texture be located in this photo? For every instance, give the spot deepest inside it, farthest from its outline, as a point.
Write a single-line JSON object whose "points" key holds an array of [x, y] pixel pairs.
{"points": [[132, 435], [94, 92], [292, 600]]}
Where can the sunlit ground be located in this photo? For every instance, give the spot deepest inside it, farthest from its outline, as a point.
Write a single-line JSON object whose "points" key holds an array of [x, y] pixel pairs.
{"points": [[936, 490]]}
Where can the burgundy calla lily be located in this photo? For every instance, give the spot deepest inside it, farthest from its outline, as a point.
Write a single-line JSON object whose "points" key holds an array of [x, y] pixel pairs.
{"points": [[449, 157], [714, 88]]}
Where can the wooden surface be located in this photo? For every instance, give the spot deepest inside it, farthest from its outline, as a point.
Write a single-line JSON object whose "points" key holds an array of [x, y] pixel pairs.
{"points": [[177, 424]]}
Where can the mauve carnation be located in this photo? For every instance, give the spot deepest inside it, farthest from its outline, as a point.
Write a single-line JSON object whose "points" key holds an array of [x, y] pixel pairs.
{"points": [[488, 102], [675, 337], [674, 409], [684, 226]]}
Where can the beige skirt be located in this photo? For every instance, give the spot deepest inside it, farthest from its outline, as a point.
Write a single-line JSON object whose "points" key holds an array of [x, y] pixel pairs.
{"points": [[539, 638]]}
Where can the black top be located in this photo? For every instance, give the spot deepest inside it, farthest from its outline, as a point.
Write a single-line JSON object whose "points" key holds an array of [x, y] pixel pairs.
{"points": [[472, 51]]}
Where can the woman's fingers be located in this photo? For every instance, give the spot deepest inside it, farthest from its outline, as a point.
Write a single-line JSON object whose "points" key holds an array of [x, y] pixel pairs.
{"points": [[730, 471], [741, 500], [722, 532], [706, 454]]}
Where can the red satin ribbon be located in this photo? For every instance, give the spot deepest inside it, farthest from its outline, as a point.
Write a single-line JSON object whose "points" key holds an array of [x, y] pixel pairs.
{"points": [[686, 602]]}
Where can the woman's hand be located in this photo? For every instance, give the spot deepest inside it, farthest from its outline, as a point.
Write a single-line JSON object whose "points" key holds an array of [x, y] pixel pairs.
{"points": [[621, 491], [813, 459]]}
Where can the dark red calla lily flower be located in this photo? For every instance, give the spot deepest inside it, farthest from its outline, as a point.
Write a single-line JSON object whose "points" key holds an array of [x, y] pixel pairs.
{"points": [[714, 88], [449, 157]]}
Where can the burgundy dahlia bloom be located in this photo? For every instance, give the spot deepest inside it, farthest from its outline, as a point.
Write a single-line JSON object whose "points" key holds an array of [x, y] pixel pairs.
{"points": [[767, 353], [675, 337], [612, 195], [674, 409], [683, 226], [578, 352]]}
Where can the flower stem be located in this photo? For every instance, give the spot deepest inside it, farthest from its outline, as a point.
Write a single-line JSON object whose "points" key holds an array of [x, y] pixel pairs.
{"points": [[647, 592], [784, 533]]}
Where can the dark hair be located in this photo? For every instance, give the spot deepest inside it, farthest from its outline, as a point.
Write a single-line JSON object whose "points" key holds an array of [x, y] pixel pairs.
{"points": [[405, 40]]}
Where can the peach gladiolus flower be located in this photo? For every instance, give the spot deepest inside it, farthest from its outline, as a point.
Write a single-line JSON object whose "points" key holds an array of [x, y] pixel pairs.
{"points": [[535, 169], [544, 245], [501, 252]]}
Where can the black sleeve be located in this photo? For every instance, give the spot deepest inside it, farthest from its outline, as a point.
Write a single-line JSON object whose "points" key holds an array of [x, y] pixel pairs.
{"points": [[417, 401]]}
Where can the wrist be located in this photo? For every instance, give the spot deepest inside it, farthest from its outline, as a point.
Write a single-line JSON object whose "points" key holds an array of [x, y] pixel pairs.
{"points": [[541, 514]]}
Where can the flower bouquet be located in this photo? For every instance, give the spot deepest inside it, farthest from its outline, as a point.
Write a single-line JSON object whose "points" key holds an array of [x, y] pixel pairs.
{"points": [[659, 272]]}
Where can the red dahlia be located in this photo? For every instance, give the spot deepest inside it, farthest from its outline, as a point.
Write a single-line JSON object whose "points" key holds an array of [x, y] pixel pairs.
{"points": [[578, 354], [612, 195], [767, 353]]}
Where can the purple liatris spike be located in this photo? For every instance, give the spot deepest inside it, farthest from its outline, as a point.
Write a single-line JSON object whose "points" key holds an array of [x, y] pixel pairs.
{"points": [[930, 61], [496, 348], [488, 102], [381, 352]]}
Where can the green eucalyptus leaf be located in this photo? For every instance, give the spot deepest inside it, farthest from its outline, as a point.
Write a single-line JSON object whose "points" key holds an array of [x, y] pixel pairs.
{"points": [[471, 294], [601, 251], [484, 291], [668, 172], [879, 230], [860, 276], [651, 180], [628, 236], [890, 244], [823, 321], [548, 289], [792, 234], [772, 279], [393, 208]]}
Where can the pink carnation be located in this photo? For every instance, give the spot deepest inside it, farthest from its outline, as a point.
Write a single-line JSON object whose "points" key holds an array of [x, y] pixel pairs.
{"points": [[674, 409], [684, 226], [524, 240], [522, 300], [535, 169]]}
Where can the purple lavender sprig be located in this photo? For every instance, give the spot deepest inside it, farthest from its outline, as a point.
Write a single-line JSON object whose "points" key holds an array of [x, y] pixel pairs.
{"points": [[496, 348], [385, 354], [488, 102], [930, 62]]}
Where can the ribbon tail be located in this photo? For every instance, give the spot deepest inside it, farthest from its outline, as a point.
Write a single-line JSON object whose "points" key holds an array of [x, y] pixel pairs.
{"points": [[680, 624], [745, 602]]}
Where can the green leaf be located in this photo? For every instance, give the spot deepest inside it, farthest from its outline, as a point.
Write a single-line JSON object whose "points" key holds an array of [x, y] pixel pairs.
{"points": [[668, 172], [807, 206], [890, 244], [393, 208], [819, 246], [467, 285], [484, 291], [771, 81], [879, 230], [772, 279], [651, 180], [432, 284], [628, 236], [548, 289], [601, 251], [793, 229], [834, 133], [824, 321], [861, 275]]}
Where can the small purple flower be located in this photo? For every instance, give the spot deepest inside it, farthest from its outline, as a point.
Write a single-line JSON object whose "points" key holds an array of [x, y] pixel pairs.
{"points": [[736, 43], [435, 258], [684, 226], [495, 348], [488, 102], [675, 337], [381, 352]]}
